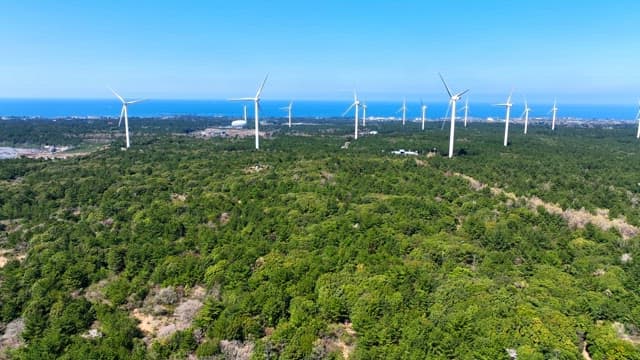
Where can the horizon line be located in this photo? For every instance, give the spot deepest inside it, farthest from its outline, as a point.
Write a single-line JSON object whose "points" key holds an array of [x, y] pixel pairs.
{"points": [[305, 99]]}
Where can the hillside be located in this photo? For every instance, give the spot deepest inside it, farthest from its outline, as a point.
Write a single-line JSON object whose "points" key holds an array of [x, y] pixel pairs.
{"points": [[191, 247]]}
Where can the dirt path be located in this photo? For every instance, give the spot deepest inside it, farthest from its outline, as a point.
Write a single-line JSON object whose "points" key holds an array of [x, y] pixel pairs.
{"points": [[574, 218]]}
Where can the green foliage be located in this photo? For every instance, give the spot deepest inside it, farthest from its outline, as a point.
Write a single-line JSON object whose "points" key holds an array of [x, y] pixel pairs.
{"points": [[306, 249]]}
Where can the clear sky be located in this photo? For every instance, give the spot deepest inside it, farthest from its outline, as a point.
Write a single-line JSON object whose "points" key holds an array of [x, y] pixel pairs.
{"points": [[578, 51]]}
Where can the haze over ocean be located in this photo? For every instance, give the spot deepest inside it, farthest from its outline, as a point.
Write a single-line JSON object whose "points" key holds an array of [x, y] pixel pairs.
{"points": [[56, 108]]}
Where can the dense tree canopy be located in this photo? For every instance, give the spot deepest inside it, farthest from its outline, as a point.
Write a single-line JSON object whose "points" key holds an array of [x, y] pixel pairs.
{"points": [[307, 250]]}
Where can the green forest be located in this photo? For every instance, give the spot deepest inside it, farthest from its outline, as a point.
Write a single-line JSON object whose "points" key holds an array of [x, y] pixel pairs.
{"points": [[309, 249]]}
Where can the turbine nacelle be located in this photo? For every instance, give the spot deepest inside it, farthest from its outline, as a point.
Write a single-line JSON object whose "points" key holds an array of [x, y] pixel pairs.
{"points": [[458, 96]]}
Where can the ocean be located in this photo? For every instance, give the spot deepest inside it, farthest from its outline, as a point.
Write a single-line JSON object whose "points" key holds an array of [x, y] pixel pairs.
{"points": [[56, 108]]}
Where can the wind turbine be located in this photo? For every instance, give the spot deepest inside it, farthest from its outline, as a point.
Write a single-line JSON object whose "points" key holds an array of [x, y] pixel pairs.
{"points": [[288, 108], [507, 106], [364, 114], [124, 112], [355, 103], [638, 118], [404, 111], [244, 108], [466, 110], [453, 98], [256, 103], [554, 110], [525, 113], [423, 107]]}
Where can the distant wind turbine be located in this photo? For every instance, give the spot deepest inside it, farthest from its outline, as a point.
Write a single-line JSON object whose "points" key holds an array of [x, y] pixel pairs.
{"points": [[355, 103], [466, 110], [244, 109], [423, 107], [453, 98], [364, 114], [288, 108], [256, 102], [638, 118], [124, 112], [507, 106], [525, 113], [403, 108], [241, 123], [554, 110]]}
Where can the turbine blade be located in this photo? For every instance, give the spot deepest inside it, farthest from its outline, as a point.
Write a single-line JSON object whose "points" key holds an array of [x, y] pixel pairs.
{"points": [[121, 115], [118, 96], [446, 116], [136, 101], [262, 86], [445, 85], [349, 108], [243, 99], [462, 93], [524, 112]]}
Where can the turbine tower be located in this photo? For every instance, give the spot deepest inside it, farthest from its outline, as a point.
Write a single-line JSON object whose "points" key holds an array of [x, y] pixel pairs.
{"points": [[404, 111], [466, 110], [525, 113], [638, 118], [364, 114], [355, 103], [554, 110], [507, 106], [256, 103], [423, 107], [288, 108], [124, 112], [244, 108], [453, 98]]}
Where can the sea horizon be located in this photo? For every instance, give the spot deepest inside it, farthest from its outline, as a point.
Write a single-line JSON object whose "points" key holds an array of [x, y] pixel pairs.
{"points": [[320, 109]]}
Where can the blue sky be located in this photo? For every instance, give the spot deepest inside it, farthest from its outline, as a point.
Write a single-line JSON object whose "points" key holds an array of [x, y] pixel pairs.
{"points": [[578, 51]]}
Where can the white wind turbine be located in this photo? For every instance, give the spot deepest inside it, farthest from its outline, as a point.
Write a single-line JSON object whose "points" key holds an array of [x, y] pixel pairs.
{"points": [[355, 103], [423, 107], [525, 113], [507, 106], [453, 99], [288, 108], [466, 110], [244, 110], [638, 118], [364, 114], [124, 112], [554, 110], [403, 108], [256, 102]]}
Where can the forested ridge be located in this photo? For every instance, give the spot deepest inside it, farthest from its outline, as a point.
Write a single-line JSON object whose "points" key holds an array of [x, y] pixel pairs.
{"points": [[306, 250]]}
